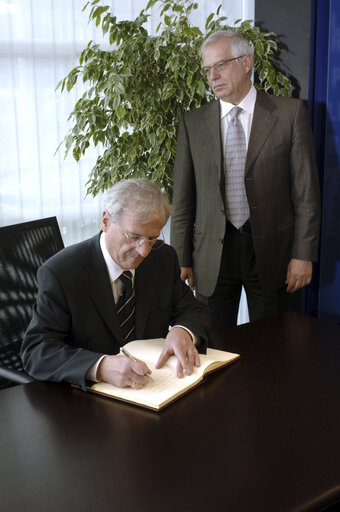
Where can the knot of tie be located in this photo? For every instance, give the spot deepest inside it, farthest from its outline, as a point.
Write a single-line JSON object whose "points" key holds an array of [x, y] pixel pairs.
{"points": [[235, 112], [126, 278]]}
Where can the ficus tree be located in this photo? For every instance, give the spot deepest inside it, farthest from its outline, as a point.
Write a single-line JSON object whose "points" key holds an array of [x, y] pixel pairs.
{"points": [[138, 90]]}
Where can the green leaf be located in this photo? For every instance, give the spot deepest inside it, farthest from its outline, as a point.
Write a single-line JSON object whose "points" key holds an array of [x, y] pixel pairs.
{"points": [[120, 111], [170, 92], [84, 146], [259, 48], [119, 88], [209, 18], [68, 142], [196, 31], [76, 154], [201, 88], [99, 11], [85, 7], [271, 76], [150, 4], [69, 85], [262, 74]]}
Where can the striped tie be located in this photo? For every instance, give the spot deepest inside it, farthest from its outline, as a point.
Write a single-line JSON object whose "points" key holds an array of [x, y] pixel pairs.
{"points": [[126, 307]]}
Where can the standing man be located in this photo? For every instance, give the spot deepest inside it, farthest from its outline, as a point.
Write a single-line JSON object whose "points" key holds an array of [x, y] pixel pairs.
{"points": [[246, 196], [120, 285]]}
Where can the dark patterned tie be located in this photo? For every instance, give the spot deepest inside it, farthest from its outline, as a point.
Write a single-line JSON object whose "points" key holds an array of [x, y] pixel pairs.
{"points": [[237, 208], [126, 307]]}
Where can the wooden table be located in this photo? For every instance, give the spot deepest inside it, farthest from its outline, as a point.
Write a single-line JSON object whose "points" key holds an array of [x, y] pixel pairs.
{"points": [[261, 435]]}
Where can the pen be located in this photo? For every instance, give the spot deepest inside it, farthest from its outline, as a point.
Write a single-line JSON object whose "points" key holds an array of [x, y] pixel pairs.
{"points": [[130, 356]]}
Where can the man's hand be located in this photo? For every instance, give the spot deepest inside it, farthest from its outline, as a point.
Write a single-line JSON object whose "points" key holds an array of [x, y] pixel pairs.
{"points": [[179, 343], [299, 274], [188, 275], [123, 372]]}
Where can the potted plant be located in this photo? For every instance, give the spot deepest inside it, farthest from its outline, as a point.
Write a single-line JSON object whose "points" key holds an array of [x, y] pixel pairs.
{"points": [[139, 89]]}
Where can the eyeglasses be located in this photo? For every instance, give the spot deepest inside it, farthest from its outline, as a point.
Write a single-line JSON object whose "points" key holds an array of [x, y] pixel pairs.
{"points": [[137, 241], [221, 65]]}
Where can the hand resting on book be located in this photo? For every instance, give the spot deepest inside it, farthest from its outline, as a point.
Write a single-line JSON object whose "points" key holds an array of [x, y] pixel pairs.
{"points": [[179, 343]]}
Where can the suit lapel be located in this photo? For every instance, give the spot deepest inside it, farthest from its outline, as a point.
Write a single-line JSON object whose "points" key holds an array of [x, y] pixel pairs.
{"points": [[264, 120], [99, 288]]}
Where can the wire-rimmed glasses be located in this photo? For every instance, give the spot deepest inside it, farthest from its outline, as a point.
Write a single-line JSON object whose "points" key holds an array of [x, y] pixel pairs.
{"points": [[137, 241]]}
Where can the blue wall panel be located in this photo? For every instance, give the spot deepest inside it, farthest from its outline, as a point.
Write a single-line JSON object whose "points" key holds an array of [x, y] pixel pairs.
{"points": [[325, 89]]}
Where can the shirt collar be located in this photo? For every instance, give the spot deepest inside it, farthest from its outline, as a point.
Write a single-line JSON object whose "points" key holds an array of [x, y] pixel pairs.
{"points": [[114, 270], [247, 104]]}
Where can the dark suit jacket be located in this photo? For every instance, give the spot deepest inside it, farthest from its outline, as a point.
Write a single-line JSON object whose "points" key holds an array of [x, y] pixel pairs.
{"points": [[75, 322], [281, 184]]}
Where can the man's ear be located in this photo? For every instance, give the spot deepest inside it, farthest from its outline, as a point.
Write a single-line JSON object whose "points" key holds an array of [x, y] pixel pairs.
{"points": [[105, 221], [248, 62]]}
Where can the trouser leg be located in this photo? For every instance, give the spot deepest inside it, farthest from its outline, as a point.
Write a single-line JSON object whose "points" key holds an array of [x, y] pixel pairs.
{"points": [[224, 302], [263, 303]]}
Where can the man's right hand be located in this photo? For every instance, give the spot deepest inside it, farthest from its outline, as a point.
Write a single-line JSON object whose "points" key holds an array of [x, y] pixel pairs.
{"points": [[123, 372], [188, 275]]}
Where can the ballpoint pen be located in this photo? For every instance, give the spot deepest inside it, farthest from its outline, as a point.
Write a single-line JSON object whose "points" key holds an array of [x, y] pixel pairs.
{"points": [[130, 356]]}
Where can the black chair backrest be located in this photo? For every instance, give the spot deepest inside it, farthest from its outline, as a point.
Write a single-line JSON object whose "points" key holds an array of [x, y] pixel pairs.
{"points": [[23, 248]]}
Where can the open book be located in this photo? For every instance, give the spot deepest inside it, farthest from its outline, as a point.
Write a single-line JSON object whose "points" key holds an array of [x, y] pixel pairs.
{"points": [[166, 386]]}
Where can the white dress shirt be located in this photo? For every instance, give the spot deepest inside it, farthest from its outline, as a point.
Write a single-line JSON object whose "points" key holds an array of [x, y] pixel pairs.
{"points": [[114, 270], [245, 117]]}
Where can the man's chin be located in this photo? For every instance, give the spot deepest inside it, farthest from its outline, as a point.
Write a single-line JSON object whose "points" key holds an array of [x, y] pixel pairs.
{"points": [[218, 89], [135, 262], [221, 93]]}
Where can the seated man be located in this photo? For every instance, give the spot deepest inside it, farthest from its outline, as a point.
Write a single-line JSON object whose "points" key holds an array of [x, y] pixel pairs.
{"points": [[86, 309]]}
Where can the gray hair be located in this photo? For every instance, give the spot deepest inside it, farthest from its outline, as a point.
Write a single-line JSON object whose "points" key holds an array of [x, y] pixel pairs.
{"points": [[138, 197], [240, 45]]}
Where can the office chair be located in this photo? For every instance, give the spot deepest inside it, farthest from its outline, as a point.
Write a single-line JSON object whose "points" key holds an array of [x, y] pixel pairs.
{"points": [[23, 248]]}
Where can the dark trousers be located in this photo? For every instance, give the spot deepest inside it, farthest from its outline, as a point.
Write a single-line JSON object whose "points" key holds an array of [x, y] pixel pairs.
{"points": [[238, 267]]}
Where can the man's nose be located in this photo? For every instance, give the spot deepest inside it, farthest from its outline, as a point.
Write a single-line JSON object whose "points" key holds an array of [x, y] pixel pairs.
{"points": [[143, 249], [214, 74]]}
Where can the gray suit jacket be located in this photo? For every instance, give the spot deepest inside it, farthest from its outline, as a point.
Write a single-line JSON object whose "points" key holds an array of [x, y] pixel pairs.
{"points": [[75, 321], [281, 184]]}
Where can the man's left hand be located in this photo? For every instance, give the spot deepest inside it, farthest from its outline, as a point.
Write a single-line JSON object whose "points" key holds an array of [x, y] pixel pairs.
{"points": [[299, 274], [179, 343]]}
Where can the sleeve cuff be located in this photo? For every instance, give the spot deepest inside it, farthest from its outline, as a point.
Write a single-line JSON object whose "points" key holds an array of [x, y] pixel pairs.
{"points": [[193, 336], [91, 373]]}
